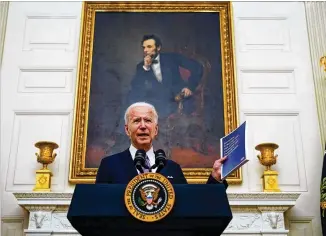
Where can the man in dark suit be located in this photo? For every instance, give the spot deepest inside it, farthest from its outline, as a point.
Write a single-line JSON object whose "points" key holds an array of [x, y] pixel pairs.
{"points": [[141, 126], [158, 79]]}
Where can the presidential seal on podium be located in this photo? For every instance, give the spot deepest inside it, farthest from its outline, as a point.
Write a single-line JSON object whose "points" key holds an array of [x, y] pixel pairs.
{"points": [[149, 197]]}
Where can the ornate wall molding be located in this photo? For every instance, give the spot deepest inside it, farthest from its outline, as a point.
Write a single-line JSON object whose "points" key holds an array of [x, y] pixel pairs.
{"points": [[254, 213], [263, 196], [32, 208], [315, 15], [43, 195]]}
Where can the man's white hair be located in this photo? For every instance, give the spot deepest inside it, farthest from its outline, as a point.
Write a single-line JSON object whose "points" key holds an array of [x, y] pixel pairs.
{"points": [[141, 104]]}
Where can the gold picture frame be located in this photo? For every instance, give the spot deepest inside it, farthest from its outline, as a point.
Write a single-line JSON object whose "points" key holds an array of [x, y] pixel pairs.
{"points": [[78, 171]]}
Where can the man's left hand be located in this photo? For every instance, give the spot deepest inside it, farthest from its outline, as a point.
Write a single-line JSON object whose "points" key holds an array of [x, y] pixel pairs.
{"points": [[187, 92], [216, 173]]}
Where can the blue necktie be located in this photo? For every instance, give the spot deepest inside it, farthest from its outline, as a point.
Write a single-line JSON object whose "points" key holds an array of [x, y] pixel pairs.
{"points": [[147, 163]]}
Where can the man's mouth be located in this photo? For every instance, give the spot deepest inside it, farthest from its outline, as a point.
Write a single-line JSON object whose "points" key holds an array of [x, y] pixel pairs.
{"points": [[142, 135]]}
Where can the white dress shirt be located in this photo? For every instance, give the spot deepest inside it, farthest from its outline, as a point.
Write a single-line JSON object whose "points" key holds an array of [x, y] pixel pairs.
{"points": [[149, 153], [156, 69]]}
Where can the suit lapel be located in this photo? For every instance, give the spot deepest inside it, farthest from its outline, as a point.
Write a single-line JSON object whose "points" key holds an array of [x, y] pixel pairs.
{"points": [[129, 167]]}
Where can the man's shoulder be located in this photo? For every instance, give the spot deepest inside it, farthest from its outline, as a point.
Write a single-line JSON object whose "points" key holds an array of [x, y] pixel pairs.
{"points": [[172, 163], [169, 55], [173, 57], [140, 64], [114, 157]]}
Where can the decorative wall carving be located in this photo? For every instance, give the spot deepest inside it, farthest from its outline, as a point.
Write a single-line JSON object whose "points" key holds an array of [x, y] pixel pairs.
{"points": [[40, 220], [246, 221], [60, 222], [274, 219]]}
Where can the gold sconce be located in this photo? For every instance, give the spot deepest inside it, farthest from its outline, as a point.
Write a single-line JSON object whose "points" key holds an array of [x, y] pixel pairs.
{"points": [[322, 62], [267, 158], [45, 157]]}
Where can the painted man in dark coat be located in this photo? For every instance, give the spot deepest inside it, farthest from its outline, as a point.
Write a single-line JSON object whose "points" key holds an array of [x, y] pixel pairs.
{"points": [[158, 79]]}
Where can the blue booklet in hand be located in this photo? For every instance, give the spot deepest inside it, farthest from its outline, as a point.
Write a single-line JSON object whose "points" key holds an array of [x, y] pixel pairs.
{"points": [[233, 146]]}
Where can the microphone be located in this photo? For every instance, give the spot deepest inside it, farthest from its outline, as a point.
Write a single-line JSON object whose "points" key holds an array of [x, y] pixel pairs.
{"points": [[160, 160], [139, 160]]}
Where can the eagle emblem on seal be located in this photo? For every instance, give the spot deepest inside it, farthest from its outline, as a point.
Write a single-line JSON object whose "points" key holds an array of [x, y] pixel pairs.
{"points": [[149, 196]]}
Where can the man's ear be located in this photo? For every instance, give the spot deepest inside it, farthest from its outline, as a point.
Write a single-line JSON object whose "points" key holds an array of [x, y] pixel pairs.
{"points": [[159, 48], [156, 130], [127, 130]]}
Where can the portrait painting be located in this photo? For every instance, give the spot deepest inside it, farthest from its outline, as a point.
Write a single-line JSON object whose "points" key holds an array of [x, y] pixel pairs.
{"points": [[191, 82]]}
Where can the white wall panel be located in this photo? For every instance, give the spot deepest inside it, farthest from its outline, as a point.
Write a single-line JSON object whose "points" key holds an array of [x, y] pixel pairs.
{"points": [[267, 127], [28, 129], [50, 32], [12, 226], [38, 86], [264, 33], [267, 81], [276, 97], [46, 80], [301, 226]]}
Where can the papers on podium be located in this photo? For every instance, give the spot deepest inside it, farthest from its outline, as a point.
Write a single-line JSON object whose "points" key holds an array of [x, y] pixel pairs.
{"points": [[233, 146]]}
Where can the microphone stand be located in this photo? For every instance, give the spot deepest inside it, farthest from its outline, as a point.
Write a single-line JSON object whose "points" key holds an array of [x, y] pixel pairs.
{"points": [[159, 167], [139, 167], [152, 167]]}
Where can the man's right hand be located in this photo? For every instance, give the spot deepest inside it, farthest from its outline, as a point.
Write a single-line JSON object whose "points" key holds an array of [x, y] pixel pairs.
{"points": [[147, 62]]}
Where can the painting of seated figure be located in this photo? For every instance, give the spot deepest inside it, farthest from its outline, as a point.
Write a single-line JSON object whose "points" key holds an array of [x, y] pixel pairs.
{"points": [[180, 61]]}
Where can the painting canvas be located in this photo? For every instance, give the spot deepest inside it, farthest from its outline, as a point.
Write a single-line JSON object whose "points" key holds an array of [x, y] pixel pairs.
{"points": [[193, 91]]}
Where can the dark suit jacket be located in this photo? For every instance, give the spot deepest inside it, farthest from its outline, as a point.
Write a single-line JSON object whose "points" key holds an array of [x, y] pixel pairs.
{"points": [[145, 87], [119, 169]]}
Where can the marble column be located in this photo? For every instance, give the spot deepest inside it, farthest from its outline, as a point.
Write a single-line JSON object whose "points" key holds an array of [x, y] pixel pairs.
{"points": [[3, 22], [316, 18]]}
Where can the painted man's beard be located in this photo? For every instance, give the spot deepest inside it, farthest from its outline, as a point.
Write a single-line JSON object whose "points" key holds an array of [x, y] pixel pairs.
{"points": [[153, 56]]}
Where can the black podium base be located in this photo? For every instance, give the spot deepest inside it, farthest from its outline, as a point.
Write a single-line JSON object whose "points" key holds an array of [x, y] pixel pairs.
{"points": [[93, 226]]}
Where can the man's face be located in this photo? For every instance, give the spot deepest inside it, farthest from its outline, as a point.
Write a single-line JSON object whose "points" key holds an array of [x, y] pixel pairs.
{"points": [[150, 48], [141, 127]]}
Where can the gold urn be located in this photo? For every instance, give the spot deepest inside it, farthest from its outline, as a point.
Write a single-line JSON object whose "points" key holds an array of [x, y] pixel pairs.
{"points": [[267, 158], [46, 156]]}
